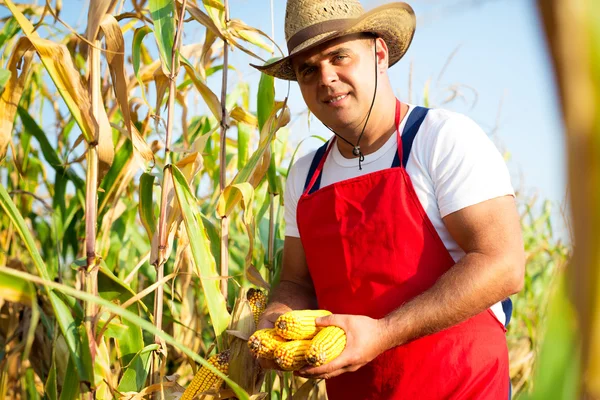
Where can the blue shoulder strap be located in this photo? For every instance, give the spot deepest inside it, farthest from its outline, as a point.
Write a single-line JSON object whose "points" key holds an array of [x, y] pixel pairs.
{"points": [[313, 167], [415, 119]]}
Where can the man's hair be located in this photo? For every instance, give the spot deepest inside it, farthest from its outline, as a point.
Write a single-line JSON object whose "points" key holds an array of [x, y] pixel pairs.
{"points": [[367, 37]]}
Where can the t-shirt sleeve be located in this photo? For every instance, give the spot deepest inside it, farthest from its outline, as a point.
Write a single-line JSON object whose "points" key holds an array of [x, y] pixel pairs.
{"points": [[293, 190], [465, 166]]}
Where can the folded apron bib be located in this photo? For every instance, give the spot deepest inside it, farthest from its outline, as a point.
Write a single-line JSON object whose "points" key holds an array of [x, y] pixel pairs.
{"points": [[370, 247]]}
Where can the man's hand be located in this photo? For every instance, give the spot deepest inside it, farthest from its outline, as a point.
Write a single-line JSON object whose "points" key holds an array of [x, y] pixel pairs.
{"points": [[366, 339], [267, 321]]}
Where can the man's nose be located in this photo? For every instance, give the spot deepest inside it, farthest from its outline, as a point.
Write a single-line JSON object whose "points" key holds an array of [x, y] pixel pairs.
{"points": [[328, 75]]}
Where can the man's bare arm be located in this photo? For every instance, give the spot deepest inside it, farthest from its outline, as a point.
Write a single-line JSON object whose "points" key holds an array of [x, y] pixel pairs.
{"points": [[491, 270]]}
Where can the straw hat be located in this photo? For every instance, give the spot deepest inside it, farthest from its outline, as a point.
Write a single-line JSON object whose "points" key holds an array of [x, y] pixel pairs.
{"points": [[309, 23]]}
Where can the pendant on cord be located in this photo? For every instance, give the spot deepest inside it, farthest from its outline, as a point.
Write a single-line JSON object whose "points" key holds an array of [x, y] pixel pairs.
{"points": [[356, 151]]}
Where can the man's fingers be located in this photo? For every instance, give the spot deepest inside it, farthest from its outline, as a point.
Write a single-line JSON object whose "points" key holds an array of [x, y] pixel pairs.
{"points": [[333, 319], [338, 363]]}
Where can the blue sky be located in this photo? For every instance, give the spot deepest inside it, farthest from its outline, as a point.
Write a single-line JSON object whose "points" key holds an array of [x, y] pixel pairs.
{"points": [[497, 49]]}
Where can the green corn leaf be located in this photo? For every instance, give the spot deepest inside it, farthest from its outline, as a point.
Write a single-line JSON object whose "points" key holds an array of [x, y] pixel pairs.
{"points": [[243, 143], [203, 258], [61, 311], [51, 386], [128, 315], [137, 370], [163, 15], [557, 371], [215, 243], [70, 388], [111, 287], [115, 175], [272, 179], [4, 77], [11, 28], [146, 208], [49, 151], [265, 98], [136, 54]]}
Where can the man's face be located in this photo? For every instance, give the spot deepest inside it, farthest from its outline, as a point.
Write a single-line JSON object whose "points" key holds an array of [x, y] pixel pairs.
{"points": [[337, 80]]}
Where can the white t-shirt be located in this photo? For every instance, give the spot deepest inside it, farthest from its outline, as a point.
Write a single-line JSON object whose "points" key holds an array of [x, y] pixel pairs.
{"points": [[452, 165]]}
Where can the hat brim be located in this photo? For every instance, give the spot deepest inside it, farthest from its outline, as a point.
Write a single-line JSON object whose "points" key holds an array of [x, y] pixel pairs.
{"points": [[394, 23]]}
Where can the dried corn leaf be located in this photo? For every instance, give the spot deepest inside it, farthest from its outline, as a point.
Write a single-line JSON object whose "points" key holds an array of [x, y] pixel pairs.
{"points": [[97, 10], [241, 115], [57, 61], [115, 55], [204, 19], [211, 99], [207, 48], [255, 278], [13, 90], [251, 35]]}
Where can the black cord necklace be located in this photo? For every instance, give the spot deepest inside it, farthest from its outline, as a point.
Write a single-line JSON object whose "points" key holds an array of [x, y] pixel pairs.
{"points": [[356, 148]]}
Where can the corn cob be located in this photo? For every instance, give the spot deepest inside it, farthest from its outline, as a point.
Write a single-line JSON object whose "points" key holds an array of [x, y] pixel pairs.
{"points": [[291, 356], [326, 345], [262, 343], [299, 324], [258, 302], [205, 379]]}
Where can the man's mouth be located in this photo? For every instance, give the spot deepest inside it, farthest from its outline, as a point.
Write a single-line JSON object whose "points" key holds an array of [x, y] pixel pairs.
{"points": [[335, 99]]}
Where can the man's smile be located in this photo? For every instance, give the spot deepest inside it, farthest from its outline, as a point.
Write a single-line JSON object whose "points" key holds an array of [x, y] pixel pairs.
{"points": [[336, 99]]}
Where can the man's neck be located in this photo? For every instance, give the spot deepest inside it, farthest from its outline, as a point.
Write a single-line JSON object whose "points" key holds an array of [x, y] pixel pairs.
{"points": [[379, 128]]}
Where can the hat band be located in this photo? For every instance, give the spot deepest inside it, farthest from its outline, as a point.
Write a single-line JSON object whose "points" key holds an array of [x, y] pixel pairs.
{"points": [[317, 29]]}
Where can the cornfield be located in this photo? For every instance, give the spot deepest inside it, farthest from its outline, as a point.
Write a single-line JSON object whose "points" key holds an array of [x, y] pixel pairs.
{"points": [[132, 231]]}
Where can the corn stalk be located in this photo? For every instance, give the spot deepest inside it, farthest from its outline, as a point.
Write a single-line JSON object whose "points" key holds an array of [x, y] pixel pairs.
{"points": [[223, 162], [167, 178]]}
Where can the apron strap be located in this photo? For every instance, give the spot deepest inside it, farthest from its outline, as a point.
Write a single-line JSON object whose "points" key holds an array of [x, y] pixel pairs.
{"points": [[313, 168], [415, 119]]}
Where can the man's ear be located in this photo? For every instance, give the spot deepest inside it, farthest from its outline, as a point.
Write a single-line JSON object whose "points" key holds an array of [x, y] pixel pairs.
{"points": [[382, 53]]}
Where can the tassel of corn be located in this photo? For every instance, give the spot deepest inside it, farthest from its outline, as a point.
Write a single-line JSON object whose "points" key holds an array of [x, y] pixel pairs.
{"points": [[258, 302], [262, 343], [299, 324], [206, 379], [291, 356], [326, 345]]}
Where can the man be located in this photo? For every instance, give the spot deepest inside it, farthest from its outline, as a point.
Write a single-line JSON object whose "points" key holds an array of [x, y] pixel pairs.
{"points": [[403, 225]]}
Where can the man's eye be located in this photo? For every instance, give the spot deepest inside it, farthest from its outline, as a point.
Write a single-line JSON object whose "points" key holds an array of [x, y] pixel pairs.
{"points": [[339, 57], [308, 71]]}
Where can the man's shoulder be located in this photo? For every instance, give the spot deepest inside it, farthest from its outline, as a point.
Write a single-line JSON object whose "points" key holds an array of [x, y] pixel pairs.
{"points": [[440, 117], [301, 166]]}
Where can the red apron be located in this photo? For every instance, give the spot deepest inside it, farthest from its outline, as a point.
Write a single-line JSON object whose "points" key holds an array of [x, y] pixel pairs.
{"points": [[370, 247]]}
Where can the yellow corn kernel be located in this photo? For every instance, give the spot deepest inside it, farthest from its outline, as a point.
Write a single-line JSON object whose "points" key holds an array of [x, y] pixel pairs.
{"points": [[299, 324], [262, 343], [258, 302], [291, 356], [205, 379], [328, 344]]}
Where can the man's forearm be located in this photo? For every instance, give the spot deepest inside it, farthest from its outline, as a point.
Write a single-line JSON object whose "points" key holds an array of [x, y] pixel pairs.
{"points": [[471, 286], [291, 296]]}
